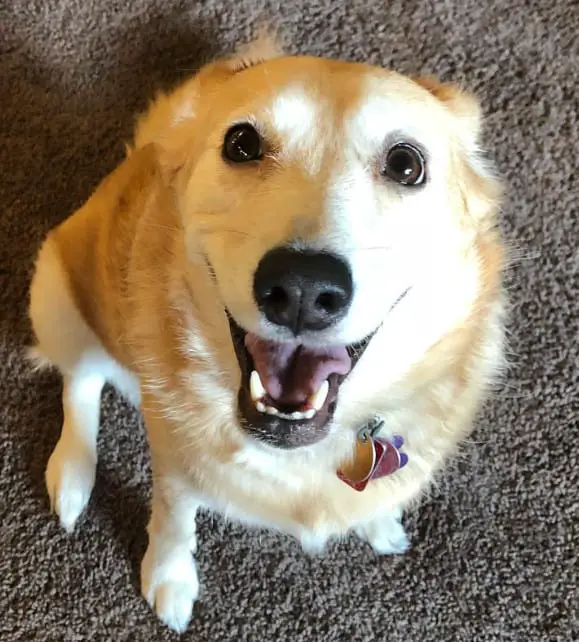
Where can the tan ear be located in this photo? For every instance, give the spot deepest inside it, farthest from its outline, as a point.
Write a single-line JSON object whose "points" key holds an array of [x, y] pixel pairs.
{"points": [[463, 105]]}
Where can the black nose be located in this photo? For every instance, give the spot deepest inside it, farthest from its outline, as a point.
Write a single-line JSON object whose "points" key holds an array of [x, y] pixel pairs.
{"points": [[302, 290]]}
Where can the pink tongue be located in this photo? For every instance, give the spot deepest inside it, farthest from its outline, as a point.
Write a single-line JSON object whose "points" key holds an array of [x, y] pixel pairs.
{"points": [[291, 373]]}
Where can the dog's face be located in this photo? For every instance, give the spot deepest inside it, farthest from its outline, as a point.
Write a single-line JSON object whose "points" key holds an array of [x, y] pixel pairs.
{"points": [[336, 205]]}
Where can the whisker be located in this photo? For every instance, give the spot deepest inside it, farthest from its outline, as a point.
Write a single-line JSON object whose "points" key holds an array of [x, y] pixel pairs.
{"points": [[227, 230], [167, 228], [375, 248]]}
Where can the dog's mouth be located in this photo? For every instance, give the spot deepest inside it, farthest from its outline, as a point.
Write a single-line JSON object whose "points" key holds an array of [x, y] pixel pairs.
{"points": [[289, 391]]}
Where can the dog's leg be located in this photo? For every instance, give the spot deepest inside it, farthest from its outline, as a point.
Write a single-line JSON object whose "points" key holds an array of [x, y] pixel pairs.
{"points": [[65, 340], [385, 533], [169, 580], [70, 472]]}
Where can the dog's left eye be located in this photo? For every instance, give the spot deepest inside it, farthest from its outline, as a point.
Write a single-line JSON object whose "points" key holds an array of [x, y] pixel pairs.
{"points": [[242, 144], [404, 164]]}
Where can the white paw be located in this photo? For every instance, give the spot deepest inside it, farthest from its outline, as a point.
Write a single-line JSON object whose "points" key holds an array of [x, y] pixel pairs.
{"points": [[385, 535], [70, 475], [193, 544], [313, 544], [170, 585]]}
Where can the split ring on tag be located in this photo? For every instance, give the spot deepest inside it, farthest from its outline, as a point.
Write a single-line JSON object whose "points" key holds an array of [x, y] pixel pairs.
{"points": [[374, 457]]}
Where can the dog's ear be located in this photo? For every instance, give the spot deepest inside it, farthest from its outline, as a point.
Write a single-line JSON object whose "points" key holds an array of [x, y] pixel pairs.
{"points": [[480, 188], [266, 46], [170, 113], [461, 104]]}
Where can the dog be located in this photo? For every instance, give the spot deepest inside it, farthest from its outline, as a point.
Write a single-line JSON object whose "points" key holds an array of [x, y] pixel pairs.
{"points": [[296, 268]]}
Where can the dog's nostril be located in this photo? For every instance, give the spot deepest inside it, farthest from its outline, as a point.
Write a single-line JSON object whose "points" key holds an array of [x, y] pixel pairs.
{"points": [[276, 297], [328, 302]]}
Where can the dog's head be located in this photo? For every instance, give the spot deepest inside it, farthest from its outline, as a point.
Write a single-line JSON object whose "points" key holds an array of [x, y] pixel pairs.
{"points": [[336, 206]]}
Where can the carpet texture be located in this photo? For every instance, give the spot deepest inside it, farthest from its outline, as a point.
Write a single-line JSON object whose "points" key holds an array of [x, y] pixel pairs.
{"points": [[495, 546]]}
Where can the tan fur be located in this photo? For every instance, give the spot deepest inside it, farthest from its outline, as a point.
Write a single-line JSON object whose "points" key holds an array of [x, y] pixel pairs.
{"points": [[132, 262]]}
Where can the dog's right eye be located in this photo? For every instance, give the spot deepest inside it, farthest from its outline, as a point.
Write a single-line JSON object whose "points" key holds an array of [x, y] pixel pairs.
{"points": [[242, 144]]}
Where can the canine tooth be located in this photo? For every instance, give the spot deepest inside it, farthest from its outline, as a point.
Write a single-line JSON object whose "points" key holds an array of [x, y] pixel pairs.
{"points": [[270, 410], [317, 399], [309, 414], [256, 388], [260, 406]]}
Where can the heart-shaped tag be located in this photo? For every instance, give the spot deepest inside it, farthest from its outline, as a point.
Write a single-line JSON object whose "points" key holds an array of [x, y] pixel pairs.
{"points": [[374, 457]]}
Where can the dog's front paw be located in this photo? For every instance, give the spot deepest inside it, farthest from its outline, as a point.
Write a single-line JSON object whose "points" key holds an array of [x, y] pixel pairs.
{"points": [[171, 586], [70, 476], [313, 544], [386, 534]]}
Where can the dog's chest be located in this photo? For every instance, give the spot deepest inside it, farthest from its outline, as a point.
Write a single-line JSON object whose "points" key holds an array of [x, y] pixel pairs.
{"points": [[261, 490]]}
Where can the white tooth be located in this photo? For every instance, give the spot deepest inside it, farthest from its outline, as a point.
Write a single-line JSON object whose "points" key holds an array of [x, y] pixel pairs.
{"points": [[297, 415], [270, 410], [260, 406], [309, 414], [256, 388], [317, 399]]}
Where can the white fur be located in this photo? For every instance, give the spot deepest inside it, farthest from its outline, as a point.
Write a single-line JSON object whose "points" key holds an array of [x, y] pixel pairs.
{"points": [[386, 534], [70, 472], [169, 580], [185, 111], [297, 119], [380, 116]]}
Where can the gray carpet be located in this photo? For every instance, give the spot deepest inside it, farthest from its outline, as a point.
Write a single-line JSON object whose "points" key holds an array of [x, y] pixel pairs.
{"points": [[495, 547]]}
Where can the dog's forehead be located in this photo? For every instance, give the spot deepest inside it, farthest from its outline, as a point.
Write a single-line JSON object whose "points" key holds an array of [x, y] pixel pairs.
{"points": [[317, 114], [394, 107], [296, 114]]}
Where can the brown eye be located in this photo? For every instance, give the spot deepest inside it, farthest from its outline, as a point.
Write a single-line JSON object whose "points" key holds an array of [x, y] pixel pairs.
{"points": [[405, 164], [242, 144]]}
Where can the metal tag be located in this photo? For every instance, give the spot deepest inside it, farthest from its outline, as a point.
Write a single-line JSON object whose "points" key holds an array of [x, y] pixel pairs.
{"points": [[374, 457]]}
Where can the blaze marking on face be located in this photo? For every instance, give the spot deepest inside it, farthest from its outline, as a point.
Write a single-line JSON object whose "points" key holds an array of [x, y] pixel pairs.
{"points": [[297, 120], [381, 113]]}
